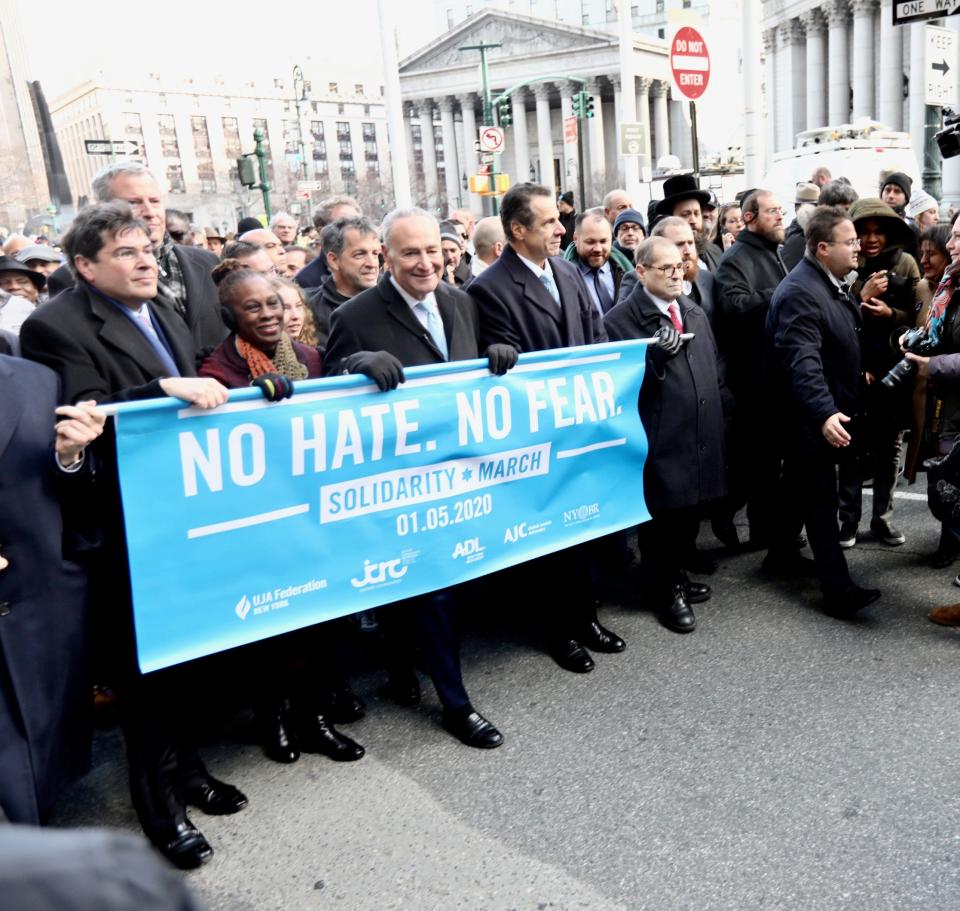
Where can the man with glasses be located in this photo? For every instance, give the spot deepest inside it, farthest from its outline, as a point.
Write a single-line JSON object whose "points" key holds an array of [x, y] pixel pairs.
{"points": [[682, 413], [814, 374], [265, 238], [746, 278], [183, 280]]}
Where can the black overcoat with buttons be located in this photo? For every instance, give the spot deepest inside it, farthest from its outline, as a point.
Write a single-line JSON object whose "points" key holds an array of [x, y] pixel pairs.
{"points": [[680, 406], [45, 696], [812, 359]]}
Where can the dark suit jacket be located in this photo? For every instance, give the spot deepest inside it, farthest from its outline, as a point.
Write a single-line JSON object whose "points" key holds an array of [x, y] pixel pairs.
{"points": [[98, 352], [45, 719], [812, 366], [379, 319], [681, 406], [516, 309], [203, 307]]}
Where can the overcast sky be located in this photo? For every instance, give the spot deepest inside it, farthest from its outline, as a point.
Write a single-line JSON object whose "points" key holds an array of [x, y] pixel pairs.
{"points": [[196, 38]]}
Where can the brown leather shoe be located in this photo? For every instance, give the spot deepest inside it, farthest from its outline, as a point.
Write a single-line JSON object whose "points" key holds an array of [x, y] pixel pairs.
{"points": [[948, 615]]}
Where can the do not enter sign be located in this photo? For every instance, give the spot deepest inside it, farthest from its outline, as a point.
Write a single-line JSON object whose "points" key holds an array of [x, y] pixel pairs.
{"points": [[690, 62]]}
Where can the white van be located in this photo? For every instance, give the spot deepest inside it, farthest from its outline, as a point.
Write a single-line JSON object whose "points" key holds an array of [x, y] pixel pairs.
{"points": [[857, 151]]}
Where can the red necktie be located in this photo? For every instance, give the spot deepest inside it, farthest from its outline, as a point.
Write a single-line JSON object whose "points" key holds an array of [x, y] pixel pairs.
{"points": [[674, 312]]}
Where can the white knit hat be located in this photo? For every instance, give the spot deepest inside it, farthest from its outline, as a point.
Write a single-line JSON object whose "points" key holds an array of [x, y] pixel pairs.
{"points": [[921, 201]]}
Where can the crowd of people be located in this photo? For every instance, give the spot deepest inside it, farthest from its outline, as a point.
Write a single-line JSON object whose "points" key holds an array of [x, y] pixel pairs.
{"points": [[835, 335]]}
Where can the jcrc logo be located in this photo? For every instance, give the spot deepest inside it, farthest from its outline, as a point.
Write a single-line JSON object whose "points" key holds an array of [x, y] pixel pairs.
{"points": [[378, 573], [581, 513], [243, 607], [469, 549]]}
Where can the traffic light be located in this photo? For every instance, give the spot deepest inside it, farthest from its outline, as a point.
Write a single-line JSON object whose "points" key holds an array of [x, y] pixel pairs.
{"points": [[586, 104], [247, 171], [578, 104], [504, 114]]}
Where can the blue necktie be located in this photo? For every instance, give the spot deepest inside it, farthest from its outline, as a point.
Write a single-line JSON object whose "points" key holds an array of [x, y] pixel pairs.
{"points": [[548, 283], [144, 322], [603, 295], [434, 325]]}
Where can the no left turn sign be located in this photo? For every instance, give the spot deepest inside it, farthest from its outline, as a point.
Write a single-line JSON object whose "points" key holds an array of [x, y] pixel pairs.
{"points": [[491, 139]]}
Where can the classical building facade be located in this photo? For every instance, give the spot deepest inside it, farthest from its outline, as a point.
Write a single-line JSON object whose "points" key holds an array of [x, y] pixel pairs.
{"points": [[443, 107], [842, 60], [190, 131]]}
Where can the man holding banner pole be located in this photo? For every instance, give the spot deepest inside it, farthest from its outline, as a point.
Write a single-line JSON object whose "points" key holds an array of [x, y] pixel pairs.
{"points": [[681, 409], [532, 300], [411, 318], [111, 340]]}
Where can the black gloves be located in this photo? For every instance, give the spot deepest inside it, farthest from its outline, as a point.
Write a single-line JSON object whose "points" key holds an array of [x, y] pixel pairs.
{"points": [[274, 386], [381, 366], [667, 345], [501, 358]]}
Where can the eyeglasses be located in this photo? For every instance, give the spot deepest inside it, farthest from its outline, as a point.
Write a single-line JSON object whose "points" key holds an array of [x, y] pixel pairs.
{"points": [[853, 244], [774, 211], [669, 270]]}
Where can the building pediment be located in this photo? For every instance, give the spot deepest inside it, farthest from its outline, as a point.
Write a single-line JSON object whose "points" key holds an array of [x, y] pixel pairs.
{"points": [[521, 37]]}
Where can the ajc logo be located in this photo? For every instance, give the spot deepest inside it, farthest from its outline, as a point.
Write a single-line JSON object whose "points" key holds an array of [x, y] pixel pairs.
{"points": [[514, 534], [375, 573]]}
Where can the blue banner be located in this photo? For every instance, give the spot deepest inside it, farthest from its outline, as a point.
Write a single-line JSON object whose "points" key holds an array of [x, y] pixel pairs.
{"points": [[260, 518]]}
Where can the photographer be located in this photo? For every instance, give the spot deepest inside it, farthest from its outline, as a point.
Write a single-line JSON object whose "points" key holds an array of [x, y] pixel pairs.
{"points": [[885, 286], [941, 370]]}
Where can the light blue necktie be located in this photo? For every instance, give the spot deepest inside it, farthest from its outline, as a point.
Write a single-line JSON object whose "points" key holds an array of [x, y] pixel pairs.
{"points": [[434, 325], [547, 281]]}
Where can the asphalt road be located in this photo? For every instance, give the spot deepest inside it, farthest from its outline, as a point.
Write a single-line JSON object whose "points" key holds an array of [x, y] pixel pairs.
{"points": [[774, 759]]}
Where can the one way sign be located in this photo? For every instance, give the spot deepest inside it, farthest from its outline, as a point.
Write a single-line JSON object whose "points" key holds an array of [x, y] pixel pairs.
{"points": [[940, 67]]}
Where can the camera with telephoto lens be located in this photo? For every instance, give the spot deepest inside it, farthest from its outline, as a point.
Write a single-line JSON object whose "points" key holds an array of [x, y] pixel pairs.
{"points": [[916, 342], [949, 137]]}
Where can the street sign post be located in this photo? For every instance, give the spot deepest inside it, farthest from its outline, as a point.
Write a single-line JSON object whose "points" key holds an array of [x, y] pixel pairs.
{"points": [[491, 139], [939, 66], [309, 186], [918, 10], [111, 147], [633, 139], [690, 66]]}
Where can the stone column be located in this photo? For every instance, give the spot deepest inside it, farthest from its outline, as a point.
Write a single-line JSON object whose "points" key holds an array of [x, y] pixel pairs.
{"points": [[431, 191], [864, 64], [770, 92], [681, 142], [544, 134], [470, 135], [785, 85], [890, 102], [570, 167], [594, 179], [838, 104], [815, 25], [917, 107], [661, 120], [451, 171], [643, 114], [411, 113], [521, 143]]}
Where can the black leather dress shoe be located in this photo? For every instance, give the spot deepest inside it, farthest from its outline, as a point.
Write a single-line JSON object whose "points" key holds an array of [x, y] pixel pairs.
{"points": [[598, 638], [788, 563], [317, 735], [187, 850], [404, 688], [342, 705], [277, 736], [215, 798], [472, 729], [696, 592], [847, 602], [676, 614], [572, 656]]}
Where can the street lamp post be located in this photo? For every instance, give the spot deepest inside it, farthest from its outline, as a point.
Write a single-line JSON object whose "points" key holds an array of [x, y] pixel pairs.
{"points": [[301, 89], [483, 47]]}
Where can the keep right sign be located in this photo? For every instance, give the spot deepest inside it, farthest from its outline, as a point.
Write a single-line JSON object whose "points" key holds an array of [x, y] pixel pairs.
{"points": [[690, 62]]}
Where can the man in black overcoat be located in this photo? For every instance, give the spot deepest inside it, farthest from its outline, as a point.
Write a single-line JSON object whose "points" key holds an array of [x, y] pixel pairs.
{"points": [[110, 340], [813, 374], [411, 318], [533, 300], [682, 413]]}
